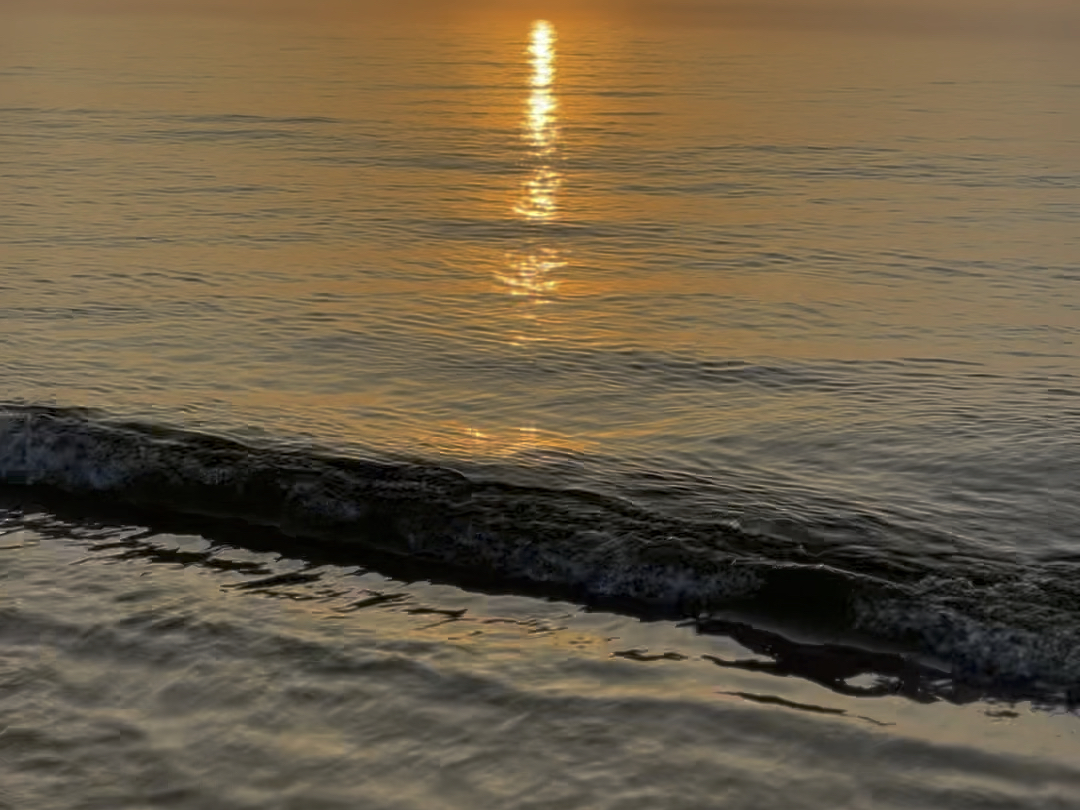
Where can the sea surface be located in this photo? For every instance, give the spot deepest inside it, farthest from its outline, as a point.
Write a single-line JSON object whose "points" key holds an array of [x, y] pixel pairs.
{"points": [[536, 413]]}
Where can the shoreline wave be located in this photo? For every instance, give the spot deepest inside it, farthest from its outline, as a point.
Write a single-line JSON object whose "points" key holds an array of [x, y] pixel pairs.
{"points": [[1017, 630]]}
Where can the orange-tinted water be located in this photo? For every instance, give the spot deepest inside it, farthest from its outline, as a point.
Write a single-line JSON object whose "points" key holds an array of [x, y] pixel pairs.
{"points": [[672, 300]]}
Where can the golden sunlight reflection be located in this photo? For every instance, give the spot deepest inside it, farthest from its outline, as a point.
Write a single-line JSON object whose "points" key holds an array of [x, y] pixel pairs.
{"points": [[459, 439], [542, 103], [529, 272], [538, 202]]}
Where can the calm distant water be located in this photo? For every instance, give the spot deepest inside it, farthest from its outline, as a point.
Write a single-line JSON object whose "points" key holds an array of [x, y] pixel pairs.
{"points": [[692, 320]]}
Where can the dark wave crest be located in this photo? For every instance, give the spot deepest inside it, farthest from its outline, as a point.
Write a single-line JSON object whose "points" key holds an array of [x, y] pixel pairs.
{"points": [[1014, 628]]}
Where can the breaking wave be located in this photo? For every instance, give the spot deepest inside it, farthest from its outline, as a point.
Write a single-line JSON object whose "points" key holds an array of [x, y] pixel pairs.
{"points": [[1013, 629]]}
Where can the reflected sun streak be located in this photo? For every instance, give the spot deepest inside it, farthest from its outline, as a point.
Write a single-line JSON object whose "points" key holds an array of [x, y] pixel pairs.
{"points": [[541, 112], [542, 50], [529, 273]]}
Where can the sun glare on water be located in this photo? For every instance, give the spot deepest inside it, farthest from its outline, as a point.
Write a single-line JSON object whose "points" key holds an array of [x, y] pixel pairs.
{"points": [[530, 270], [541, 123], [542, 50]]}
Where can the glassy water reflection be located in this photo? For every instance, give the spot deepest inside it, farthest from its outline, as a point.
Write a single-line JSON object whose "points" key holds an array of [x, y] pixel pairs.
{"points": [[530, 272], [697, 254]]}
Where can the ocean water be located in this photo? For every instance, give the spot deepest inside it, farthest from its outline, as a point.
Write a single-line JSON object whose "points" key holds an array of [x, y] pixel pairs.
{"points": [[536, 413]]}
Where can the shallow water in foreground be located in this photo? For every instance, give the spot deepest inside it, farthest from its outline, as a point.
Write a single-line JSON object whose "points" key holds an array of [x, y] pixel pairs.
{"points": [[144, 669]]}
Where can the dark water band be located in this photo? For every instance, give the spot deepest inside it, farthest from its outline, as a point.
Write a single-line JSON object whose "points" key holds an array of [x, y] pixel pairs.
{"points": [[998, 630]]}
